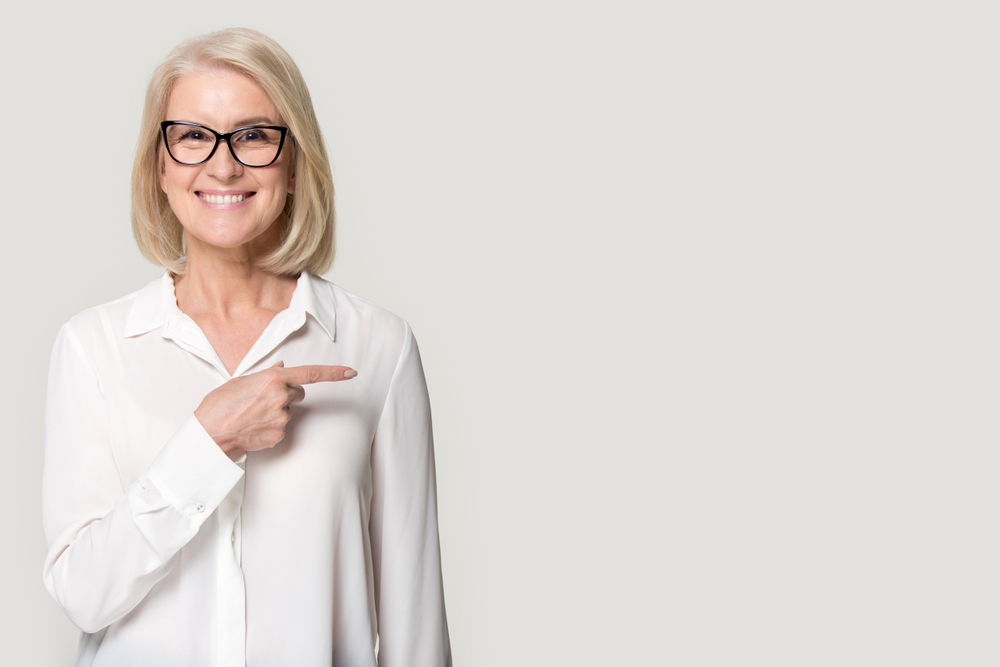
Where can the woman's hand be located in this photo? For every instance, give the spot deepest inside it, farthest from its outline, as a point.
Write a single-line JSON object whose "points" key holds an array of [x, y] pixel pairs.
{"points": [[250, 412]]}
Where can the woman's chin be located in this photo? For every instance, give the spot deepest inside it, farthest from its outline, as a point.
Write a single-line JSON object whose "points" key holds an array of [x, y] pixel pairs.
{"points": [[227, 239]]}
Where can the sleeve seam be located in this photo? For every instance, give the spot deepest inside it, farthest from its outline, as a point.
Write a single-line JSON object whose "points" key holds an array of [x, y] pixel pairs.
{"points": [[77, 346], [407, 337]]}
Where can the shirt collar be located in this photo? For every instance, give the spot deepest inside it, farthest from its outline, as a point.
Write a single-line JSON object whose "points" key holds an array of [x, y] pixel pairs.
{"points": [[155, 305], [151, 306], [308, 293]]}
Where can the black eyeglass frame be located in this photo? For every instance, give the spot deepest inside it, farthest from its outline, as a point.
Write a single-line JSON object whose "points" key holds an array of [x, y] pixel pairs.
{"points": [[219, 137]]}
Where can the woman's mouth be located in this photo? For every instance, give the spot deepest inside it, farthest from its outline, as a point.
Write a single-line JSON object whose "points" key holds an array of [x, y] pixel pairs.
{"points": [[224, 199]]}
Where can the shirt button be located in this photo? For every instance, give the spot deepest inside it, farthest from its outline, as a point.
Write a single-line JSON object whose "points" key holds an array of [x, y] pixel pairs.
{"points": [[232, 538], [200, 507]]}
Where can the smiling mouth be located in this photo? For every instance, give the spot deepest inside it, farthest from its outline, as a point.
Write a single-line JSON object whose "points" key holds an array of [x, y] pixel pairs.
{"points": [[224, 199]]}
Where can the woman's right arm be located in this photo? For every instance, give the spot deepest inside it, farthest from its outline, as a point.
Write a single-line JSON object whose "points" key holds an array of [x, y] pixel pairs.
{"points": [[108, 545]]}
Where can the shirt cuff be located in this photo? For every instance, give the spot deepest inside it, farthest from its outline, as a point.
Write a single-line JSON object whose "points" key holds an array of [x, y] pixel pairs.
{"points": [[192, 472]]}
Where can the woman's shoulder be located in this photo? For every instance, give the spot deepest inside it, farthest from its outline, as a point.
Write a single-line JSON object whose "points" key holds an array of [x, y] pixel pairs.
{"points": [[352, 310], [115, 317]]}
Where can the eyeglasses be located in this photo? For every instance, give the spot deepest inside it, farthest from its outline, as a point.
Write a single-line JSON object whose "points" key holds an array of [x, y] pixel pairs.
{"points": [[191, 144]]}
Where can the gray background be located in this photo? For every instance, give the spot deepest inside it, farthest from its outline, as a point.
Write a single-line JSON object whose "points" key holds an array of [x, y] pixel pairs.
{"points": [[706, 294]]}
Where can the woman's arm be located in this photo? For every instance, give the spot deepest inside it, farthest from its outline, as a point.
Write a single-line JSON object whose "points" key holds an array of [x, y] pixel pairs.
{"points": [[109, 545], [409, 595]]}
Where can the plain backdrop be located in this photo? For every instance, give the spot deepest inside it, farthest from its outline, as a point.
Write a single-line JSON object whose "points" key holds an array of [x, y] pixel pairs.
{"points": [[705, 291]]}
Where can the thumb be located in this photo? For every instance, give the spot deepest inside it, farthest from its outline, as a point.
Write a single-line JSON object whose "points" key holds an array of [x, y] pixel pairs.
{"points": [[280, 364]]}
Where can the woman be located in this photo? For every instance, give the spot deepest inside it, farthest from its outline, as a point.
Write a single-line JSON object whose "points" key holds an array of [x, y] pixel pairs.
{"points": [[200, 506]]}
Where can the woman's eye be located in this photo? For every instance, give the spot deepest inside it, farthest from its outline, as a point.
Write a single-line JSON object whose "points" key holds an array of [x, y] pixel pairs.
{"points": [[193, 135], [255, 136]]}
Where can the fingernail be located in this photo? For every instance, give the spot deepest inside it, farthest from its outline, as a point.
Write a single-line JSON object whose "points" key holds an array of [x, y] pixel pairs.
{"points": [[349, 374]]}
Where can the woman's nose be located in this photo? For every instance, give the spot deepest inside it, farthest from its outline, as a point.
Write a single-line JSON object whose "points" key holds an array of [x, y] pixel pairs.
{"points": [[222, 164]]}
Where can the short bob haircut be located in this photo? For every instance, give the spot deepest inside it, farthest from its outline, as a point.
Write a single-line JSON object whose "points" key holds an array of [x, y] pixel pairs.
{"points": [[307, 222]]}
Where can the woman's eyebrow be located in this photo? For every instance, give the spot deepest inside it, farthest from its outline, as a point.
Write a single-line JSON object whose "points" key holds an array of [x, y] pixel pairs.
{"points": [[259, 120]]}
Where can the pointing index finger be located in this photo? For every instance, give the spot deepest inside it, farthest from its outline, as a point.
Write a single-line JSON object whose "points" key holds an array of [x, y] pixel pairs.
{"points": [[316, 373]]}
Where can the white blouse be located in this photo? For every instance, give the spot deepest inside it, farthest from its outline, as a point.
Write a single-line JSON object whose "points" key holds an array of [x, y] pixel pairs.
{"points": [[164, 552]]}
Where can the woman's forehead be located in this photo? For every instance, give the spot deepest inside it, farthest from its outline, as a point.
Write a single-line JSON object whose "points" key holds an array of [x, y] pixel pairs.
{"points": [[220, 99]]}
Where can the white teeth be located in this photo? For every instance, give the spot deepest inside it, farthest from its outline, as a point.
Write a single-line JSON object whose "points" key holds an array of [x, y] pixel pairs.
{"points": [[225, 199]]}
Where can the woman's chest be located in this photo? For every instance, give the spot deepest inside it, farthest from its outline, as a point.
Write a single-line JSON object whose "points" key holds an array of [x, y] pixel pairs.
{"points": [[327, 441]]}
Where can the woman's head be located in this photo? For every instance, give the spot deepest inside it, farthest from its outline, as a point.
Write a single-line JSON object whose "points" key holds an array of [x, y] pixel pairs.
{"points": [[306, 223]]}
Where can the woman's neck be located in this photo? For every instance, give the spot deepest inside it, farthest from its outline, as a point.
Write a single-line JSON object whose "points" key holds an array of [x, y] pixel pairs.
{"points": [[228, 282]]}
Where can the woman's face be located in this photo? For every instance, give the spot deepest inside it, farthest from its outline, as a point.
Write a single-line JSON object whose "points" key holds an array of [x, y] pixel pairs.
{"points": [[223, 101]]}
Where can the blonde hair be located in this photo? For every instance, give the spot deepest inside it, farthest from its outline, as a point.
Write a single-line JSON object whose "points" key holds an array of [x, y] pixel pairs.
{"points": [[307, 222]]}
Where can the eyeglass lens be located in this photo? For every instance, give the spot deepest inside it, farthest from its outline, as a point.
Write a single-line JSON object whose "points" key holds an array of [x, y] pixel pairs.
{"points": [[253, 146]]}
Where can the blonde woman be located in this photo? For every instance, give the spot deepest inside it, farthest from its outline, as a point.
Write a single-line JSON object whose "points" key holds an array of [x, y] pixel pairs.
{"points": [[239, 466]]}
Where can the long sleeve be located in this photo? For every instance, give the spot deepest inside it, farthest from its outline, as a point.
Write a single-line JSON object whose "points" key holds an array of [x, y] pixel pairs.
{"points": [[409, 594], [109, 545]]}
